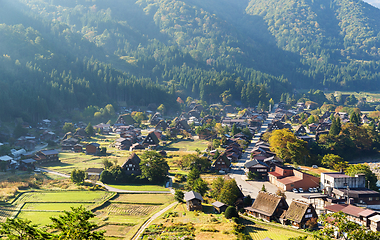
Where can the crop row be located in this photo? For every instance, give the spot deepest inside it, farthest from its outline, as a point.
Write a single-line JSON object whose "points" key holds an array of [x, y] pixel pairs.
{"points": [[129, 209]]}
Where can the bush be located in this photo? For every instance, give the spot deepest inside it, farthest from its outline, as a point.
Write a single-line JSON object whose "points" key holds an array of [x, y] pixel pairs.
{"points": [[231, 212], [179, 195]]}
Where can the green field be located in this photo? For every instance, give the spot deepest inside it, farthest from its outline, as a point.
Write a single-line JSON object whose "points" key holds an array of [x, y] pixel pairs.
{"points": [[259, 230], [138, 187], [120, 214], [64, 196], [186, 145]]}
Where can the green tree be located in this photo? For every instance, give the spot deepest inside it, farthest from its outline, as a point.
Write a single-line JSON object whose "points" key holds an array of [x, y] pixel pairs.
{"points": [[234, 130], [107, 163], [193, 175], [337, 223], [89, 129], [179, 195], [336, 126], [19, 131], [355, 118], [75, 225], [231, 212], [263, 189], [153, 166], [200, 186], [22, 229], [335, 162], [216, 187], [229, 193], [370, 177], [78, 176], [161, 109], [68, 127], [226, 96]]}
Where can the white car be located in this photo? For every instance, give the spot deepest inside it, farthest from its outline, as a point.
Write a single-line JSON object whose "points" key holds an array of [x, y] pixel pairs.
{"points": [[295, 190], [311, 190], [300, 190], [315, 189]]}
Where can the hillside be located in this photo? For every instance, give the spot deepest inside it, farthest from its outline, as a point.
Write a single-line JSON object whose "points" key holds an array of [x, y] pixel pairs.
{"points": [[98, 52]]}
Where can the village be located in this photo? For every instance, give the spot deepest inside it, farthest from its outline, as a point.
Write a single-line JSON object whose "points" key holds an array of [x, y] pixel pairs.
{"points": [[234, 145]]}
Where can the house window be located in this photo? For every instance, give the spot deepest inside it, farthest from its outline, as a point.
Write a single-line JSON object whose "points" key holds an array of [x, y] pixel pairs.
{"points": [[292, 185], [130, 165], [370, 199], [127, 169], [261, 170], [309, 210], [377, 199], [308, 215]]}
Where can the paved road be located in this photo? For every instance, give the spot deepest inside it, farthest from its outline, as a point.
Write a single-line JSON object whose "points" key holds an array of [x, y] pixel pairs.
{"points": [[252, 188], [148, 222], [111, 189]]}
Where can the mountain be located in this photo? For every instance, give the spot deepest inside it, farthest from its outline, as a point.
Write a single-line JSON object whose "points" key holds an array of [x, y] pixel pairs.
{"points": [[375, 3], [98, 52]]}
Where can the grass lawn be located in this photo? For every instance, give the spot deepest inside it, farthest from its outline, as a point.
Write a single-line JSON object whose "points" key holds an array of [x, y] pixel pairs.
{"points": [[189, 145], [59, 207], [40, 218], [64, 196], [139, 187], [259, 230]]}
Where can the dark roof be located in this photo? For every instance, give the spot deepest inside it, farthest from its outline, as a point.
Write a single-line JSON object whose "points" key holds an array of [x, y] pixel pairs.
{"points": [[266, 203], [192, 195], [49, 152], [94, 144], [255, 162], [296, 211], [133, 159], [29, 160], [154, 138], [223, 156], [357, 192], [219, 204], [94, 170]]}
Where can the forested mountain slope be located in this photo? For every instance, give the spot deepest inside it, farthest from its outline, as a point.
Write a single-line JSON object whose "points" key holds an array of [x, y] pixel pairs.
{"points": [[251, 49]]}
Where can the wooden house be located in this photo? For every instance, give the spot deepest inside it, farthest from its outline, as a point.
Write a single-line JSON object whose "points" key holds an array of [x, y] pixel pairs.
{"points": [[162, 125], [92, 148], [193, 201], [298, 213], [219, 207], [300, 130], [132, 165], [94, 173], [124, 120], [136, 146], [27, 164], [123, 143], [276, 125], [78, 148], [45, 156], [267, 207], [222, 163], [182, 125], [258, 167], [151, 139], [156, 118]]}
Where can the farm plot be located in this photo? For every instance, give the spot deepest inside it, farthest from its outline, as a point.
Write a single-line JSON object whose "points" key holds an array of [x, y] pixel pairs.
{"points": [[64, 196], [54, 207], [129, 209], [144, 198]]}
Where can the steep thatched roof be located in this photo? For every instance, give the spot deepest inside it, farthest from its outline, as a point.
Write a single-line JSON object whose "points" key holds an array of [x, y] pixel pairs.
{"points": [[296, 211], [134, 159], [267, 203]]}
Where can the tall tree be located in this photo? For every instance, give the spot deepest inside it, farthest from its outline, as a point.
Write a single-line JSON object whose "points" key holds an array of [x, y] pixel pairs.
{"points": [[229, 193], [75, 225], [89, 129], [22, 229], [153, 166]]}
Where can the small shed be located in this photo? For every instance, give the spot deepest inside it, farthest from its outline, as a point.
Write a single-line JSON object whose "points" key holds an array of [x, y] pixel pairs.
{"points": [[94, 173], [219, 207], [193, 201]]}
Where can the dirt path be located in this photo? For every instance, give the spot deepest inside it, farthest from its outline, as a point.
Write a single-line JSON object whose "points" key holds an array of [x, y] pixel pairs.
{"points": [[149, 221]]}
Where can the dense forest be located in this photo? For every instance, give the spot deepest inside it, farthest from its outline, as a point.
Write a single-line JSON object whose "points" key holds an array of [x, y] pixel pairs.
{"points": [[61, 55]]}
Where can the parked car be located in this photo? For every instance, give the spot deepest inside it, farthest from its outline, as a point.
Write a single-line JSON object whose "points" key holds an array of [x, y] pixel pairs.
{"points": [[314, 166], [315, 189], [311, 189], [300, 190], [295, 190]]}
